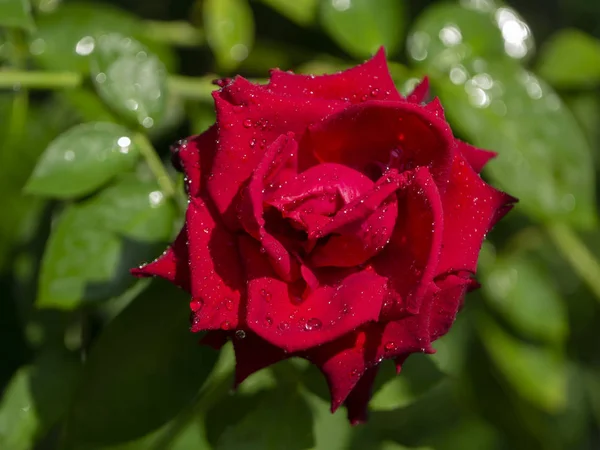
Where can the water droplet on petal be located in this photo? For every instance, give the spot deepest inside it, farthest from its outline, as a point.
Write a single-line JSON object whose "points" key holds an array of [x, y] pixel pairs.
{"points": [[196, 304], [240, 334], [248, 123], [268, 322], [225, 325], [390, 346], [229, 304], [313, 324], [266, 295], [283, 326]]}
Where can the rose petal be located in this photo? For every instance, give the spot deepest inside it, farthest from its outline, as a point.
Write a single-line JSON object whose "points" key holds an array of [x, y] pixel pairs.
{"points": [[172, 265], [393, 134], [252, 354], [360, 229], [410, 259], [471, 208], [420, 92], [195, 156], [217, 277], [250, 118], [370, 80], [215, 339], [251, 207], [476, 157], [346, 301], [447, 300], [435, 106], [357, 402]]}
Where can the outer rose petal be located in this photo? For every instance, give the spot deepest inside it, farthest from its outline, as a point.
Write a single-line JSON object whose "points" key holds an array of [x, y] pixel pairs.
{"points": [[327, 313], [250, 118], [217, 279], [370, 80], [420, 92], [471, 208], [409, 261], [252, 354], [447, 300], [172, 265], [400, 135], [357, 401], [195, 156], [476, 157]]}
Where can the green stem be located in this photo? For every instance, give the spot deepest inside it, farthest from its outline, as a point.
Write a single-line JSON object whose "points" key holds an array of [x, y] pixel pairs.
{"points": [[155, 164], [39, 80], [578, 255], [179, 33]]}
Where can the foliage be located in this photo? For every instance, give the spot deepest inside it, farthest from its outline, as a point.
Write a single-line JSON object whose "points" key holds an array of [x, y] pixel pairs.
{"points": [[91, 97]]}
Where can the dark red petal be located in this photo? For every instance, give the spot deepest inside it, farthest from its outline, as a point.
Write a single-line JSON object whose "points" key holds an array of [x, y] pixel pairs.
{"points": [[347, 359], [215, 339], [250, 118], [217, 277], [384, 133], [346, 301], [172, 265], [476, 157], [367, 81], [447, 300], [195, 156], [252, 354], [420, 92], [409, 261], [435, 106], [357, 402], [252, 209], [471, 207]]}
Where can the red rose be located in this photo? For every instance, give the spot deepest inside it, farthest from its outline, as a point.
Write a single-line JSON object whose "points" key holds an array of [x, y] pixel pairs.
{"points": [[331, 219]]}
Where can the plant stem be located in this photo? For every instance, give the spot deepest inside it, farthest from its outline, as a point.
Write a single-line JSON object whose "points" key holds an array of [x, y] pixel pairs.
{"points": [[179, 33], [578, 255], [39, 80], [155, 164]]}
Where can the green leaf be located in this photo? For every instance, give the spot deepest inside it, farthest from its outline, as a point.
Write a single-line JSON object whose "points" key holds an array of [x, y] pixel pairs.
{"points": [[525, 296], [302, 12], [82, 159], [537, 373], [332, 431], [419, 375], [129, 78], [87, 257], [281, 419], [502, 107], [448, 33], [144, 368], [570, 59], [360, 27], [66, 37], [36, 399], [229, 26], [16, 13]]}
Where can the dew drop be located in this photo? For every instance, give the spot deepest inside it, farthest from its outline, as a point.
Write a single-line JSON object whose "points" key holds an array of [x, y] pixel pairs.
{"points": [[225, 325], [283, 326], [374, 92], [229, 304], [268, 322], [196, 304], [313, 324], [266, 295], [240, 334], [248, 123], [390, 346]]}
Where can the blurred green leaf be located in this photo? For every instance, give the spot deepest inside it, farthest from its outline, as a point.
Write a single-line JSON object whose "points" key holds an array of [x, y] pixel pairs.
{"points": [[362, 26], [229, 26], [82, 159], [129, 78], [498, 105], [36, 399], [145, 367], [525, 296], [302, 12], [16, 13], [66, 37], [570, 59], [447, 33], [419, 375], [86, 257], [538, 373], [281, 419], [332, 431]]}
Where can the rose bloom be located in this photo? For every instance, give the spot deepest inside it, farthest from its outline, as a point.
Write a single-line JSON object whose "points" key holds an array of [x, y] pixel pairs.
{"points": [[330, 219]]}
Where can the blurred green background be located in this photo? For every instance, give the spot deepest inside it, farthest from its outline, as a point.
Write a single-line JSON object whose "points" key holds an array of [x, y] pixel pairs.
{"points": [[92, 95]]}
